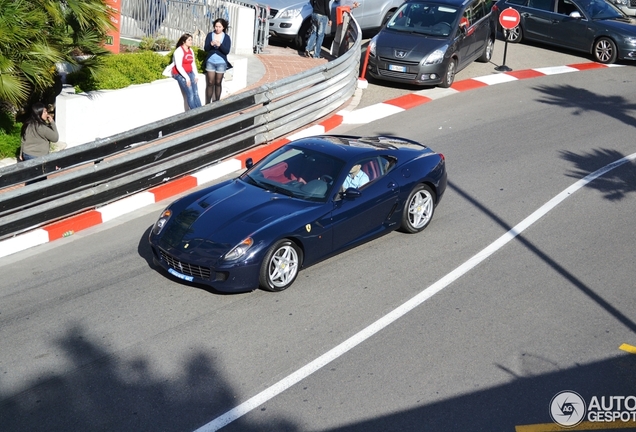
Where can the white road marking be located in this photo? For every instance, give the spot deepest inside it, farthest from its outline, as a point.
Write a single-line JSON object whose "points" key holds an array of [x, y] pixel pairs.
{"points": [[403, 309]]}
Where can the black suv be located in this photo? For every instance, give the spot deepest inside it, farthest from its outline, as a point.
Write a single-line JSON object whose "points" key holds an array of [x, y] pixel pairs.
{"points": [[428, 42]]}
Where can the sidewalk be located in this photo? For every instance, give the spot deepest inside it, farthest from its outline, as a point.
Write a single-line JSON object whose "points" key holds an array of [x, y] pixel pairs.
{"points": [[275, 63]]}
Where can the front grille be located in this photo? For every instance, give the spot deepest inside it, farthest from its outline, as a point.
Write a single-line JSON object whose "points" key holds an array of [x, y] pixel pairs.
{"points": [[185, 268], [400, 75], [400, 62]]}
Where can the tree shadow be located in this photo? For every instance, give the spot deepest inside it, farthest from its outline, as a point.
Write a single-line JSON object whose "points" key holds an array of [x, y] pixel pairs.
{"points": [[102, 391], [616, 184]]}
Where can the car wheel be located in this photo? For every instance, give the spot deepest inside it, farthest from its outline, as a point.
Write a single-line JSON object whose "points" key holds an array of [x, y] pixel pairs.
{"points": [[418, 209], [515, 35], [300, 41], [487, 54], [605, 51], [280, 266], [449, 76]]}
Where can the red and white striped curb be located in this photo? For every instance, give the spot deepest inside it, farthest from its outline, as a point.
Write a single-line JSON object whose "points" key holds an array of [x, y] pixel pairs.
{"points": [[73, 224]]}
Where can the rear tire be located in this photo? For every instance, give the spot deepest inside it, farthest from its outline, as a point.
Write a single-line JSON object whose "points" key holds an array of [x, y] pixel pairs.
{"points": [[280, 266], [418, 209], [387, 17], [487, 54], [515, 35]]}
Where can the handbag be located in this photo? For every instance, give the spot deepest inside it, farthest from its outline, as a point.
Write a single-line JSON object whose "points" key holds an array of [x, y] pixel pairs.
{"points": [[168, 70]]}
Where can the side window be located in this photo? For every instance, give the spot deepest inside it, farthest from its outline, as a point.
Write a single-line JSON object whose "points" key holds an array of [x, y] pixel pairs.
{"points": [[546, 5], [368, 170], [479, 10], [467, 19], [566, 7]]}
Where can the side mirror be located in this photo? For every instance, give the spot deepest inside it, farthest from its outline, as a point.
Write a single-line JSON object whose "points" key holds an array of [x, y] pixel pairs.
{"points": [[575, 14], [351, 193], [249, 163]]}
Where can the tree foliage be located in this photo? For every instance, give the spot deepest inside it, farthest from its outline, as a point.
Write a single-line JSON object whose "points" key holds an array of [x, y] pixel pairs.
{"points": [[37, 34]]}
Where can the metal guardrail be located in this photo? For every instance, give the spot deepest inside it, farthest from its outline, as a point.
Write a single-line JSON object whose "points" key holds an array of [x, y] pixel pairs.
{"points": [[109, 169], [172, 18]]}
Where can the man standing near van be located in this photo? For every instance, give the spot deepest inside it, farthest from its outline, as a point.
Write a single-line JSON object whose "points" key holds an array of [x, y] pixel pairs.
{"points": [[320, 19]]}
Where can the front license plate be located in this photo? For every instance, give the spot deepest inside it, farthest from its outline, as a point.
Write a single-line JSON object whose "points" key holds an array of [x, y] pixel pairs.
{"points": [[180, 276], [397, 68]]}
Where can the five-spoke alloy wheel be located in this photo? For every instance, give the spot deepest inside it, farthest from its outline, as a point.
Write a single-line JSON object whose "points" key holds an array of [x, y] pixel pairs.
{"points": [[280, 266], [418, 209]]}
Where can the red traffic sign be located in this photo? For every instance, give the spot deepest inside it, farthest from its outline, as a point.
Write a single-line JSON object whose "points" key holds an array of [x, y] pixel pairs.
{"points": [[509, 18]]}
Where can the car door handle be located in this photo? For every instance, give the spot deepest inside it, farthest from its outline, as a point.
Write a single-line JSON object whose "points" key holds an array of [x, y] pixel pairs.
{"points": [[391, 185]]}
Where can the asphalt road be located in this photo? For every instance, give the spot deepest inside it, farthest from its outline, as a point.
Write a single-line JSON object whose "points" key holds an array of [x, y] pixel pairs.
{"points": [[94, 338]]}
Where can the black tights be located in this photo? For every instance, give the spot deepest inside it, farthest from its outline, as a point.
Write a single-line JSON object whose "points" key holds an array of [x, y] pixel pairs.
{"points": [[213, 86]]}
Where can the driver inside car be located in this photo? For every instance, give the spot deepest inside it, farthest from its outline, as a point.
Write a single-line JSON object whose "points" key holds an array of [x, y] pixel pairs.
{"points": [[356, 178]]}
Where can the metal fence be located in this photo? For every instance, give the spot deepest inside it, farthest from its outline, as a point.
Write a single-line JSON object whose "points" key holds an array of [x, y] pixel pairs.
{"points": [[172, 18], [97, 173]]}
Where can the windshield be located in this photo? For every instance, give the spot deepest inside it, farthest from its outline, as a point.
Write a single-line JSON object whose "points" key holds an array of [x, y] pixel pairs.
{"points": [[296, 172], [600, 9], [425, 18]]}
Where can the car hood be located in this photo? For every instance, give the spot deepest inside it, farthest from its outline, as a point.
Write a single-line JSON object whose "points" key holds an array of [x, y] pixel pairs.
{"points": [[285, 4], [217, 221], [415, 45], [622, 25]]}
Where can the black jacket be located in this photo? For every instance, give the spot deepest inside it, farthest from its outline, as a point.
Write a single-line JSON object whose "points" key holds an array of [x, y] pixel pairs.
{"points": [[321, 7]]}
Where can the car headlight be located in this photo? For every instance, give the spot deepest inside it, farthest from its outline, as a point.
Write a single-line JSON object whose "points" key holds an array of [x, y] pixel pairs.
{"points": [[372, 45], [436, 56], [239, 250], [621, 2], [630, 40], [291, 13], [162, 221]]}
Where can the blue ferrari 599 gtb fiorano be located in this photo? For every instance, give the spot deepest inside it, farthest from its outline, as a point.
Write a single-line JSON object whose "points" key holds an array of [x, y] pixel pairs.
{"points": [[306, 201]]}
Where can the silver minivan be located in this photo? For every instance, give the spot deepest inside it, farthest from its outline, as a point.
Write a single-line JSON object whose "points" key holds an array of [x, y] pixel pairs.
{"points": [[291, 19]]}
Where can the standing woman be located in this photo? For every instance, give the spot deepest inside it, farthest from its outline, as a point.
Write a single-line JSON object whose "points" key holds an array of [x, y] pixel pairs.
{"points": [[38, 132], [185, 71], [217, 45]]}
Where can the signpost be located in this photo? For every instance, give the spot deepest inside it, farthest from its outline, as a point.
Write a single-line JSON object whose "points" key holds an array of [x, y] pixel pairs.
{"points": [[509, 19]]}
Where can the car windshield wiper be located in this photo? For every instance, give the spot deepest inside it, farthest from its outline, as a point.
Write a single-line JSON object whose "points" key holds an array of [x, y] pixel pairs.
{"points": [[277, 189]]}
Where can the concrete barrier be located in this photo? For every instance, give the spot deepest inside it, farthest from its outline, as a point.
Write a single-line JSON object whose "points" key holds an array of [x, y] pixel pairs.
{"points": [[84, 117]]}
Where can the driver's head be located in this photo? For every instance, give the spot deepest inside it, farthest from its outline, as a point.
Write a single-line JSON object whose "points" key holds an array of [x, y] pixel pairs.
{"points": [[354, 170]]}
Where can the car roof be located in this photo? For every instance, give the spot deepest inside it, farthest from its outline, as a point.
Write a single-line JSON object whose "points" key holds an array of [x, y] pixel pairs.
{"points": [[346, 147], [456, 3]]}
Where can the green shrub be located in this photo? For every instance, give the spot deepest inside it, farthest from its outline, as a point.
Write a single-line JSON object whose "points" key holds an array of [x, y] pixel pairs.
{"points": [[121, 70], [9, 135]]}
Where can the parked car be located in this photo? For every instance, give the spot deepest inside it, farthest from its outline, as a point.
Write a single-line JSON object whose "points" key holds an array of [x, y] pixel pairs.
{"points": [[428, 42], [592, 26], [291, 19], [290, 210], [628, 7]]}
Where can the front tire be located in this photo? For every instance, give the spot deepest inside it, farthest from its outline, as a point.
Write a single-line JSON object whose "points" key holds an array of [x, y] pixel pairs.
{"points": [[449, 75], [280, 266], [418, 209], [300, 41], [605, 51]]}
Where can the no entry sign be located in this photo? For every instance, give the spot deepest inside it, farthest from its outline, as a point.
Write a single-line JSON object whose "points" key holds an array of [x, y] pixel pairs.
{"points": [[509, 18]]}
